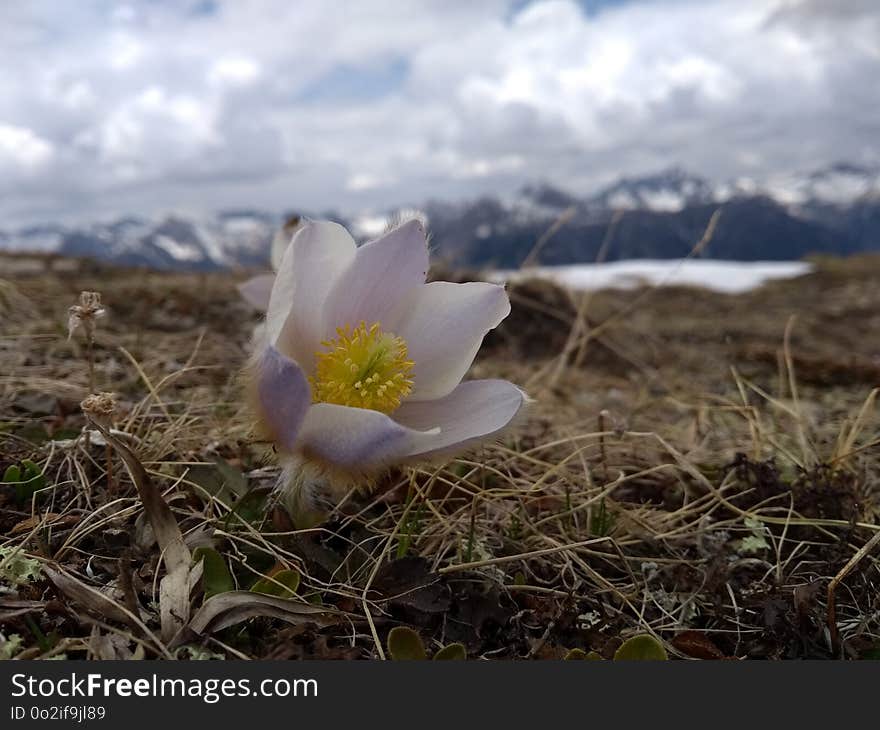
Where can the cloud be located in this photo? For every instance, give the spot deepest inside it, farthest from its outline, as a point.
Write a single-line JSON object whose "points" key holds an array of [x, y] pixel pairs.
{"points": [[21, 150], [150, 106], [234, 71]]}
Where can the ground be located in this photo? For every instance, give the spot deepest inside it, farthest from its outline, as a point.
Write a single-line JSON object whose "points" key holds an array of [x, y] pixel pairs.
{"points": [[696, 466]]}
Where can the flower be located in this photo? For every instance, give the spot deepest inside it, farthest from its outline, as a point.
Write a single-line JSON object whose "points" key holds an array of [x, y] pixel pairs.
{"points": [[359, 364]]}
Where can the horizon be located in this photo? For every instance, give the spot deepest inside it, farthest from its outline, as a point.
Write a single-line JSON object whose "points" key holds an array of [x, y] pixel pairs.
{"points": [[773, 187]]}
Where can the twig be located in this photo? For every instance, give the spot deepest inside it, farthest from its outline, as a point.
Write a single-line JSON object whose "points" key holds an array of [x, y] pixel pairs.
{"points": [[833, 631]]}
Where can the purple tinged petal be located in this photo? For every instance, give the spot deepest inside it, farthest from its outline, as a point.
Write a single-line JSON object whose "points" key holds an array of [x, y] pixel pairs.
{"points": [[443, 327], [385, 271], [474, 411], [357, 438], [284, 396], [257, 290]]}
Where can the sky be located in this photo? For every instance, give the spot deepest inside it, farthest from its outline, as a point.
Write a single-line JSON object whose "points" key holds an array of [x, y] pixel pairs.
{"points": [[110, 108]]}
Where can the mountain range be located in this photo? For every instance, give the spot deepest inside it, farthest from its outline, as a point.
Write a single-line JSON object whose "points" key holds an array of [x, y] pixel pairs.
{"points": [[835, 209]]}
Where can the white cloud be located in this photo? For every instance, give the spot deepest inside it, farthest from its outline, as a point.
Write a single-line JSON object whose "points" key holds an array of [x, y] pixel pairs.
{"points": [[124, 51], [311, 104], [364, 181], [234, 70], [21, 148]]}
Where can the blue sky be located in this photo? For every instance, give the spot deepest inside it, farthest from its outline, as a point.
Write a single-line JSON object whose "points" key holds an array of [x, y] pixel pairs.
{"points": [[144, 107]]}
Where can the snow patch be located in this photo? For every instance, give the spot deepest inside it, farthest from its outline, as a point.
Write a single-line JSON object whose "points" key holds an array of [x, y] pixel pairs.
{"points": [[729, 277]]}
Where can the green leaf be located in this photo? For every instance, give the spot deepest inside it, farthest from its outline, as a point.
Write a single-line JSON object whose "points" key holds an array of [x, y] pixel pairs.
{"points": [[216, 577], [452, 651], [641, 648], [219, 479], [32, 471], [581, 655], [26, 479], [12, 474], [282, 584], [405, 644], [33, 481], [251, 508]]}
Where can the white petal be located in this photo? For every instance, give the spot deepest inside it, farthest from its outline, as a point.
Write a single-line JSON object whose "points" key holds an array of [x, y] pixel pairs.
{"points": [[283, 396], [257, 290], [384, 272], [319, 253], [474, 411], [280, 242], [357, 438], [443, 329]]}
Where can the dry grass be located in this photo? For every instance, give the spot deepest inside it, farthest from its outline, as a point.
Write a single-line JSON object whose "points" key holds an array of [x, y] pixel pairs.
{"points": [[696, 466]]}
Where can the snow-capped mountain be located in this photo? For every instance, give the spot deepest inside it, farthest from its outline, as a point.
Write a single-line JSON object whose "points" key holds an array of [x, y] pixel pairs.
{"points": [[231, 238], [834, 210], [667, 192], [831, 210], [840, 185]]}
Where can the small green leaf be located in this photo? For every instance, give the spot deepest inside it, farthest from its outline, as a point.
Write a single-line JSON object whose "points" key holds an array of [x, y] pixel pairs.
{"points": [[219, 479], [26, 479], [581, 655], [216, 577], [452, 651], [12, 474], [32, 471], [251, 508], [405, 644], [641, 648], [282, 584], [33, 481]]}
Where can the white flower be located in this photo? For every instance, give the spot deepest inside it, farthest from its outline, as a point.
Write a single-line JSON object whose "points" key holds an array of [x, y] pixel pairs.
{"points": [[360, 362]]}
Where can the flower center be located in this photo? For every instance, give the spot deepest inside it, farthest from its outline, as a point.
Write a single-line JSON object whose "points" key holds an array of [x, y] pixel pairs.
{"points": [[364, 368]]}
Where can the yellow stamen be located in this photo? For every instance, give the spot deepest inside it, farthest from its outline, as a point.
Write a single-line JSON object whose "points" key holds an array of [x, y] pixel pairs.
{"points": [[364, 368]]}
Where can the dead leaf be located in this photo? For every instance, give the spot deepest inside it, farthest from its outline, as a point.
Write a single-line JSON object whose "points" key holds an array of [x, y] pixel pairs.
{"points": [[176, 586], [111, 646], [51, 519], [88, 597], [11, 608], [228, 609], [696, 644], [411, 584]]}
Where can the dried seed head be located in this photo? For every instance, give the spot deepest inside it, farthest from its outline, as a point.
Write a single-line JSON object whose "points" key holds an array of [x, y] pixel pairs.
{"points": [[100, 408], [85, 313]]}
